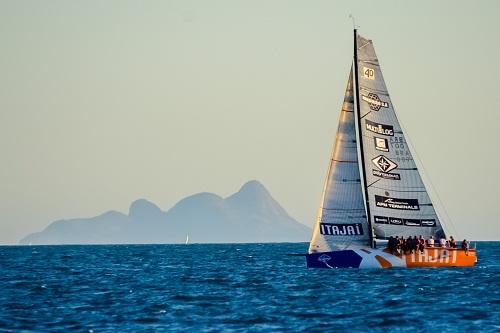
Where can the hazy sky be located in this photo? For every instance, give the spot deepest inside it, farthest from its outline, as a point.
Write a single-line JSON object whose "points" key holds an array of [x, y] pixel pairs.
{"points": [[104, 102]]}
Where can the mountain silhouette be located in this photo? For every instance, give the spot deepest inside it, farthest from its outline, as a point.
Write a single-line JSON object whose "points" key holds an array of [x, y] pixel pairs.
{"points": [[249, 215]]}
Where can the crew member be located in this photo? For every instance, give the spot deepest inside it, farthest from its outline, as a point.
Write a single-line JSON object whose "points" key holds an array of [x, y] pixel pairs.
{"points": [[453, 243], [465, 246], [430, 242]]}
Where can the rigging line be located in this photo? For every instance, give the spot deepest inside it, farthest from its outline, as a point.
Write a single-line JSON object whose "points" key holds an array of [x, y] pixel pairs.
{"points": [[449, 221], [375, 182], [366, 114]]}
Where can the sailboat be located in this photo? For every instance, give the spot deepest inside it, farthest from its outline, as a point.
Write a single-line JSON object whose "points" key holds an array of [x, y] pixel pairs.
{"points": [[187, 239], [373, 190]]}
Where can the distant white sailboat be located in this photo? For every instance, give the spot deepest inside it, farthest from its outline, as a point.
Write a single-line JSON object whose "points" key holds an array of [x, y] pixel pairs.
{"points": [[187, 239]]}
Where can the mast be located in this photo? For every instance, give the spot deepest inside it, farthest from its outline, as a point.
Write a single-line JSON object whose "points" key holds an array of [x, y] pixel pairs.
{"points": [[358, 113]]}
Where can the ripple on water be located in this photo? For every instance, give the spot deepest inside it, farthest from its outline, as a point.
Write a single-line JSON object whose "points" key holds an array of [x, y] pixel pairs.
{"points": [[225, 287]]}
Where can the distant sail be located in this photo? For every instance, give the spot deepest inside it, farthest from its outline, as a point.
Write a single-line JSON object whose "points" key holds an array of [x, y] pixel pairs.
{"points": [[399, 202], [187, 239], [341, 219]]}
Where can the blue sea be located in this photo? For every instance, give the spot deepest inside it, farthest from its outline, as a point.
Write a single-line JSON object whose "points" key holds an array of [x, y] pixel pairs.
{"points": [[236, 288]]}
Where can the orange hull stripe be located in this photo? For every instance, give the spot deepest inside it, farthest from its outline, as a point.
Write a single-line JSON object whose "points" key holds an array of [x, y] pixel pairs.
{"points": [[383, 262]]}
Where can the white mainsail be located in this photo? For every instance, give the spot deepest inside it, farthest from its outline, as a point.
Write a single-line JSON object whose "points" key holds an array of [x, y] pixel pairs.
{"points": [[373, 189], [399, 204], [392, 200], [341, 220]]}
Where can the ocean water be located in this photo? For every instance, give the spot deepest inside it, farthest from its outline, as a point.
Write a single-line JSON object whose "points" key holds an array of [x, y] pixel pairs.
{"points": [[236, 287]]}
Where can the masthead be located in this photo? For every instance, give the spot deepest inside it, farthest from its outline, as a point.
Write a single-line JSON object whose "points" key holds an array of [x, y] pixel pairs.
{"points": [[354, 26]]}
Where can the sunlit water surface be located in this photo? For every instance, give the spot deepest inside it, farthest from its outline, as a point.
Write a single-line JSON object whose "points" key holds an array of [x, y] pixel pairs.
{"points": [[235, 287]]}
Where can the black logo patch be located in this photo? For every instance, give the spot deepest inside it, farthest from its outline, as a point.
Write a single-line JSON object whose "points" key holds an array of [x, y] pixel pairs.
{"points": [[406, 222], [395, 203], [395, 220], [374, 101], [428, 223], [381, 219], [381, 144], [386, 175], [379, 128], [412, 222]]}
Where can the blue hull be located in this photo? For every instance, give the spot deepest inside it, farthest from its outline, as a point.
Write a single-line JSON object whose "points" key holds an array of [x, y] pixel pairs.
{"points": [[336, 259]]}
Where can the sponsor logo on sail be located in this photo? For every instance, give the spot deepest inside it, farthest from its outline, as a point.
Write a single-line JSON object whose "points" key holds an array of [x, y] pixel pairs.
{"points": [[379, 128], [384, 164], [395, 203], [412, 223], [428, 223], [381, 219], [395, 220], [353, 229], [374, 101], [386, 175], [381, 144], [405, 222]]}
